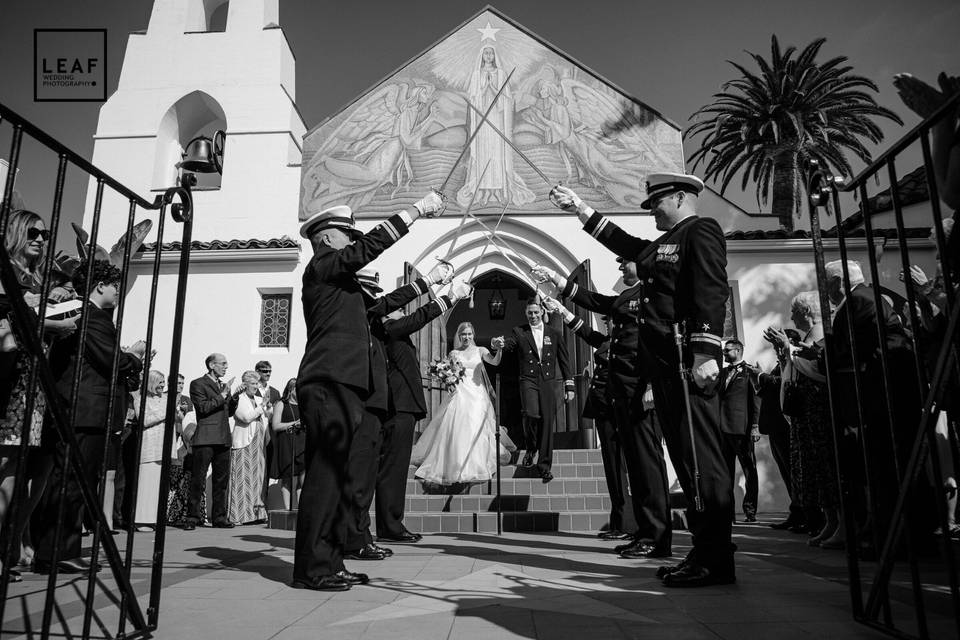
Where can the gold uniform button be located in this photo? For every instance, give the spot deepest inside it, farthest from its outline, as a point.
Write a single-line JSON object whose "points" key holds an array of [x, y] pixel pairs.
{"points": [[642, 321], [650, 280], [646, 299]]}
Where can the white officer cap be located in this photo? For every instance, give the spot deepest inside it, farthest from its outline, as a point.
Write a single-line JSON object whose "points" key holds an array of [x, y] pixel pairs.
{"points": [[339, 217], [659, 184]]}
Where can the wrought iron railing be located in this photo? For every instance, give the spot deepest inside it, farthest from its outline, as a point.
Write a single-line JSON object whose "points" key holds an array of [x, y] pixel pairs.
{"points": [[61, 412], [876, 439]]}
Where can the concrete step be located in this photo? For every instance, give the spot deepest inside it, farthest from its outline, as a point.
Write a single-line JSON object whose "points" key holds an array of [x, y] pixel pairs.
{"points": [[469, 503], [560, 470], [516, 486]]}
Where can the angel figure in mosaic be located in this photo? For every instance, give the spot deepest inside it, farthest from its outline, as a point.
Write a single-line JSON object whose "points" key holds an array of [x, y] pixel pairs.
{"points": [[370, 149]]}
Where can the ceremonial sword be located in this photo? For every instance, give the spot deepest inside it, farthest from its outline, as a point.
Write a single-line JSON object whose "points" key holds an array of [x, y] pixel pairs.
{"points": [[483, 119], [684, 374], [463, 218], [516, 150], [482, 253]]}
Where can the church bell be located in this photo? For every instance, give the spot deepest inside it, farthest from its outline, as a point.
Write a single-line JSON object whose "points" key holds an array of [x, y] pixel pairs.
{"points": [[204, 155]]}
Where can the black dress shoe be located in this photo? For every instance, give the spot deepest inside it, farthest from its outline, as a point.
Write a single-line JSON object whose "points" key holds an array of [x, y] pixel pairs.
{"points": [[546, 476], [352, 578], [323, 583], [620, 548], [750, 518], [644, 551], [224, 524], [385, 551], [406, 536], [527, 460], [615, 535], [367, 552], [188, 526], [694, 575]]}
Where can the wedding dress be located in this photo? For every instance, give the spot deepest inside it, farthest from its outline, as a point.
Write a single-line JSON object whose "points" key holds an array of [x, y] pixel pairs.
{"points": [[459, 444]]}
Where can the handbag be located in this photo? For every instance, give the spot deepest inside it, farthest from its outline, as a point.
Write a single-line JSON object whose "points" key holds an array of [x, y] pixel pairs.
{"points": [[792, 404]]}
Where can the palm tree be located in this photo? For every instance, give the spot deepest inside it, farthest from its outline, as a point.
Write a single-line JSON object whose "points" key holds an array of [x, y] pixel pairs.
{"points": [[768, 124]]}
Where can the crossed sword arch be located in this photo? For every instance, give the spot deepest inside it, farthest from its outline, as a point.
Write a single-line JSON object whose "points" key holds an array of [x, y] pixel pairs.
{"points": [[491, 234]]}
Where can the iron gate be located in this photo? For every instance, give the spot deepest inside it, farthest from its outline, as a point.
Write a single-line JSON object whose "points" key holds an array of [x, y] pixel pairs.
{"points": [[19, 610], [883, 447]]}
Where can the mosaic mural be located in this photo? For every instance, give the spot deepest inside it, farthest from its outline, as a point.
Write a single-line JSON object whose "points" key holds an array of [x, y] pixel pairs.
{"points": [[405, 135]]}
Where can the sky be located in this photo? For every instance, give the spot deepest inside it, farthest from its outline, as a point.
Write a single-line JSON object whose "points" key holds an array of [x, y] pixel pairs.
{"points": [[670, 55]]}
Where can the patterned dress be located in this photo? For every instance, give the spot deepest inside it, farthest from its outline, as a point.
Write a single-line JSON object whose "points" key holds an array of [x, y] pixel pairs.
{"points": [[11, 420], [812, 459], [247, 467]]}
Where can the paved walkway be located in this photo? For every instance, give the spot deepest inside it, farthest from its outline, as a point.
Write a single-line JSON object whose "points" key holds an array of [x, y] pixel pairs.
{"points": [[233, 584]]}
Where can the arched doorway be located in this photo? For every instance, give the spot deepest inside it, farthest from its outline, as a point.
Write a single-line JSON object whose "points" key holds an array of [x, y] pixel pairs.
{"points": [[513, 293]]}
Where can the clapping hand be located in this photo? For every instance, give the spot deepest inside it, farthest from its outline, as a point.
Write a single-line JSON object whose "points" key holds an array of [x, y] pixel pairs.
{"points": [[777, 337], [919, 278], [138, 349]]}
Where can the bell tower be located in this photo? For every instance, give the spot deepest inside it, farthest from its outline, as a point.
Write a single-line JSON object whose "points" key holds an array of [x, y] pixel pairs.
{"points": [[200, 66]]}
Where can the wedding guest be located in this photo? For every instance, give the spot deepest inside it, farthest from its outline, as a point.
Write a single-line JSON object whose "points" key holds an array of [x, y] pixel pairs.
{"points": [[739, 416], [268, 392], [775, 426], [180, 467], [247, 462], [214, 403], [289, 443], [26, 244], [151, 450], [91, 423]]}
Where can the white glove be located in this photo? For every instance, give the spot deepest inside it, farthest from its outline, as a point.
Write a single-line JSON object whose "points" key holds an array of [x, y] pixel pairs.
{"points": [[442, 273], [460, 289], [647, 398], [430, 205], [543, 274], [565, 198], [705, 371], [551, 304]]}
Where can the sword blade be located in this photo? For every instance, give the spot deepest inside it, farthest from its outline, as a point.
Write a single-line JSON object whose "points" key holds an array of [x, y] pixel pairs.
{"points": [[490, 235], [516, 150], [463, 218], [483, 119]]}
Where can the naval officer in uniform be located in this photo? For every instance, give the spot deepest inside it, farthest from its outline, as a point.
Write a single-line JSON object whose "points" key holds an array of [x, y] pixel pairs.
{"points": [[683, 280], [335, 380]]}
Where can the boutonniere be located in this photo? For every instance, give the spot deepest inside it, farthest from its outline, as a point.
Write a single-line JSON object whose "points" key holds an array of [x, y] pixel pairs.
{"points": [[546, 340]]}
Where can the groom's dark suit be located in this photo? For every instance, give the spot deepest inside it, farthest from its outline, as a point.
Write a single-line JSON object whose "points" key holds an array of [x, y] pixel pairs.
{"points": [[543, 374]]}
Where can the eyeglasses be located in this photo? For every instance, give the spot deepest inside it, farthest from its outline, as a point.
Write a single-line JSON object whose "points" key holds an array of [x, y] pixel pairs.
{"points": [[33, 233], [267, 371]]}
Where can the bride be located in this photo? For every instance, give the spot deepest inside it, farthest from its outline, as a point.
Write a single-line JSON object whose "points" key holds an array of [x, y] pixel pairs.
{"points": [[458, 445]]}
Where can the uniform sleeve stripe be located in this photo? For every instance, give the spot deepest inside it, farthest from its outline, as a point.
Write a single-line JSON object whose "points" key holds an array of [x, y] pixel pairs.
{"points": [[575, 323], [573, 289], [390, 229], [568, 384], [600, 226], [442, 303], [706, 337], [418, 288]]}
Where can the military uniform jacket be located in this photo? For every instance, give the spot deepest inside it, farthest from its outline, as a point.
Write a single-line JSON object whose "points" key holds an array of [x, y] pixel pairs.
{"points": [[403, 364], [625, 367], [551, 364], [739, 400], [379, 397], [338, 333], [683, 279], [596, 405]]}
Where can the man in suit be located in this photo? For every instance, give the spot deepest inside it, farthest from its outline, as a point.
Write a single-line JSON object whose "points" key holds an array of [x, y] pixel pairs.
{"points": [[739, 421], [270, 396], [630, 409], [682, 280], [407, 406], [545, 374], [773, 425], [91, 422], [214, 403], [334, 382]]}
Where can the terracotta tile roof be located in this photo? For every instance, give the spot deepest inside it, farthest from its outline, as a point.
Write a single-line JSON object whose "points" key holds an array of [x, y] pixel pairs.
{"points": [[221, 245], [800, 234], [912, 187]]}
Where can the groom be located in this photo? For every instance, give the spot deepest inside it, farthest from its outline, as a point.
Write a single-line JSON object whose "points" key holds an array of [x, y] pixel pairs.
{"points": [[543, 364]]}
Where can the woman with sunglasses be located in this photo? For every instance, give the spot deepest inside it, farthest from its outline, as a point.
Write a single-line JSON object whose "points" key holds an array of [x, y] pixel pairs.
{"points": [[26, 243]]}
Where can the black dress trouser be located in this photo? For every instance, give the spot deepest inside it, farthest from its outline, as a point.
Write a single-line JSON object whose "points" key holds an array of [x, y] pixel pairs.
{"points": [[392, 477], [740, 447], [780, 448], [647, 472], [711, 528], [615, 470], [203, 456], [331, 413], [362, 465]]}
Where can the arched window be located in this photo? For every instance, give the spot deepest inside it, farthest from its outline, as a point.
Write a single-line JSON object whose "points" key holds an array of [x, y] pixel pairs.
{"points": [[207, 15], [194, 114]]}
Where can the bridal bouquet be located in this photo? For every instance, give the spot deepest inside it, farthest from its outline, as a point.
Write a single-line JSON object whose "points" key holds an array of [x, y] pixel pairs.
{"points": [[448, 371]]}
